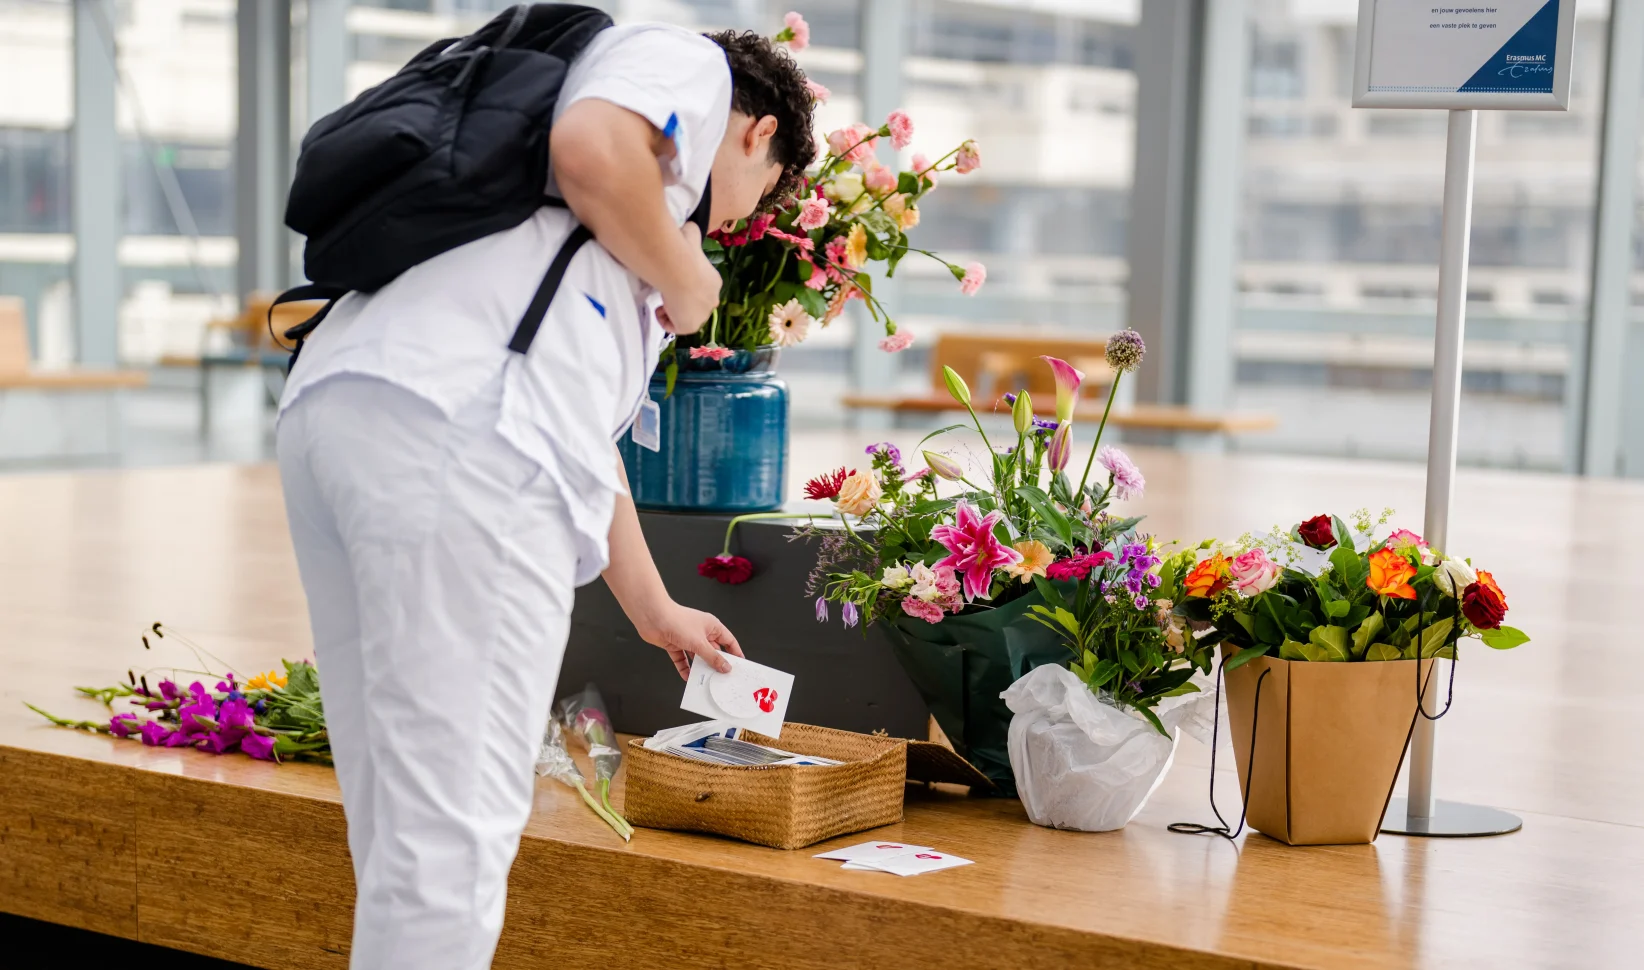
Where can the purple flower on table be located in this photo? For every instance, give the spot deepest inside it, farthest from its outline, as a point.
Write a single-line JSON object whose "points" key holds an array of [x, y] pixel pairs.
{"points": [[168, 690], [848, 613], [1126, 477], [973, 549], [154, 733], [259, 746], [199, 716], [177, 739], [219, 742], [123, 725]]}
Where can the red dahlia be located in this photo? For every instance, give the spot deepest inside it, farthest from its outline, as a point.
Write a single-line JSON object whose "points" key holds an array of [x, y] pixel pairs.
{"points": [[726, 569], [827, 486]]}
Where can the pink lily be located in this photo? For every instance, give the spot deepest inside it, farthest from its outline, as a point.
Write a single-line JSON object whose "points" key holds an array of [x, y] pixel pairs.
{"points": [[973, 549], [1068, 379]]}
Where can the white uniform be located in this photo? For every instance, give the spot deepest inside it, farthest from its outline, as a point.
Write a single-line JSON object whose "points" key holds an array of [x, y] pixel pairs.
{"points": [[445, 498]]}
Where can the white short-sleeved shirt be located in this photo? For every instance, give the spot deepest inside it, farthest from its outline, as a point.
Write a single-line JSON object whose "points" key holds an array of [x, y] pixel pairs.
{"points": [[441, 329]]}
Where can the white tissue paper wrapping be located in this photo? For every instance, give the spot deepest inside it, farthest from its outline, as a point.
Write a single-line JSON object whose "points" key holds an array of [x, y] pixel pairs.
{"points": [[1083, 764]]}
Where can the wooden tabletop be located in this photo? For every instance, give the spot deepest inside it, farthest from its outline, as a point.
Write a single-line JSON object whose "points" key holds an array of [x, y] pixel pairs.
{"points": [[246, 860]]}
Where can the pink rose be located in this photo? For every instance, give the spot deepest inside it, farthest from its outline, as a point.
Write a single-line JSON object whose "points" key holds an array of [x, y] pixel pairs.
{"points": [[1254, 573], [898, 341], [969, 158], [813, 214], [901, 129], [975, 275]]}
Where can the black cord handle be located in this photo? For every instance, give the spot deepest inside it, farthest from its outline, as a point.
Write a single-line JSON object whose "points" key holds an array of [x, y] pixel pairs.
{"points": [[1223, 830]]}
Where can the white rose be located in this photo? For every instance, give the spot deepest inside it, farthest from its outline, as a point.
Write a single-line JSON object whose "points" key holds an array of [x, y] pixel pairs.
{"points": [[1453, 576], [896, 577], [844, 187]]}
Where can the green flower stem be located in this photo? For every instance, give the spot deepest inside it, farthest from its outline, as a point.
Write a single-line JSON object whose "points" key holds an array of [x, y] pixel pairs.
{"points": [[605, 799], [1094, 445], [755, 516], [95, 726], [598, 810]]}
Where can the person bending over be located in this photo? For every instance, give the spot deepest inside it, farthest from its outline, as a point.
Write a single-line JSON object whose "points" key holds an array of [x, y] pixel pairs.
{"points": [[446, 496]]}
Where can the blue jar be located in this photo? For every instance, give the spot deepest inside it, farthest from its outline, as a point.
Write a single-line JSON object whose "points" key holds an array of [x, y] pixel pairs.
{"points": [[724, 435]]}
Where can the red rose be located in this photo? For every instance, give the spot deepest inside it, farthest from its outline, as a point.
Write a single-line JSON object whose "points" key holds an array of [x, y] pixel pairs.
{"points": [[726, 569], [1317, 532], [1483, 603]]}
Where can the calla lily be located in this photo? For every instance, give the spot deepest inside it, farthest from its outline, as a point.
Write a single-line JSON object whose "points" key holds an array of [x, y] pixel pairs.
{"points": [[1061, 446], [1068, 379], [1022, 413], [944, 467], [957, 386]]}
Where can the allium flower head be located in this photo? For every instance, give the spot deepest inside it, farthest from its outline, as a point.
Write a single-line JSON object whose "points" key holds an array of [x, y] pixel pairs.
{"points": [[1125, 351]]}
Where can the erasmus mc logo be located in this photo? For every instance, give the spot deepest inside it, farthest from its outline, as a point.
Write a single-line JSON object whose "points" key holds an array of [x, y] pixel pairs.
{"points": [[1522, 65]]}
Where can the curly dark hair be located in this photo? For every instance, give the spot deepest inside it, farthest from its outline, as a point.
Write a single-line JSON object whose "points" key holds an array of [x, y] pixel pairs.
{"points": [[766, 81]]}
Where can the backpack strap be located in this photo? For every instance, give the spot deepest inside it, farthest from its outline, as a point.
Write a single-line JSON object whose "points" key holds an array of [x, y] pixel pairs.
{"points": [[529, 324], [299, 333]]}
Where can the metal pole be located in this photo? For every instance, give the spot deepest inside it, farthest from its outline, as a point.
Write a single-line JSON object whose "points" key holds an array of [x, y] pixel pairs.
{"points": [[1446, 412], [94, 197]]}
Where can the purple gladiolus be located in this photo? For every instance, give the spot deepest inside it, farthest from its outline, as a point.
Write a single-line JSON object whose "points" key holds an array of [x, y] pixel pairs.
{"points": [[259, 746], [154, 733], [848, 613], [123, 725], [168, 690]]}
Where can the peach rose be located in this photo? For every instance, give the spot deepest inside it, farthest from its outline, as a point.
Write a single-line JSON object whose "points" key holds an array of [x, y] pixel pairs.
{"points": [[859, 494]]}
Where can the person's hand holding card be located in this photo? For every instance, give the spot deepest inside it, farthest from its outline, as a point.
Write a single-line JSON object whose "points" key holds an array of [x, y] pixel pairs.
{"points": [[750, 695]]}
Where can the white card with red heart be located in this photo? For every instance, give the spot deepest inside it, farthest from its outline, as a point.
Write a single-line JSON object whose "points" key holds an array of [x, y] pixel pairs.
{"points": [[910, 863], [751, 696], [870, 850]]}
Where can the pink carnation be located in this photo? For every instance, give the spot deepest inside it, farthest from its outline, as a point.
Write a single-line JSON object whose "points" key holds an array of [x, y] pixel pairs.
{"points": [[918, 608], [813, 214], [759, 225], [975, 275], [968, 159], [922, 167], [798, 32], [711, 353], [853, 144], [901, 129], [819, 94], [898, 341], [879, 179]]}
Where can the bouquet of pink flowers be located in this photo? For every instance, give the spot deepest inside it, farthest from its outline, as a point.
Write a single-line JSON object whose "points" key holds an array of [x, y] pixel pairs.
{"points": [[794, 268]]}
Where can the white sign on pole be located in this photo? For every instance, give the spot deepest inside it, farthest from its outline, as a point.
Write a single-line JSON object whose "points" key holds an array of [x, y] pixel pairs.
{"points": [[1512, 54]]}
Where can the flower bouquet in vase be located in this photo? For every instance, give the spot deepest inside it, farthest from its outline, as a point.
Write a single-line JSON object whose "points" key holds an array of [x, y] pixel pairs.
{"points": [[1329, 639], [947, 559], [786, 273]]}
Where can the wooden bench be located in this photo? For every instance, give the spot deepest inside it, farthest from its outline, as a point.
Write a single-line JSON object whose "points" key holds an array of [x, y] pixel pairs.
{"points": [[254, 344], [994, 364], [17, 372]]}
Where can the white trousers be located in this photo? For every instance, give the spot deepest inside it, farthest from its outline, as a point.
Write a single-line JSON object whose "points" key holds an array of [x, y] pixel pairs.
{"points": [[438, 564]]}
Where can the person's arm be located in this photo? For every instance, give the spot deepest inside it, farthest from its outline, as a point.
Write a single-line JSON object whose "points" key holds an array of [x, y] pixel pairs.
{"points": [[605, 164], [633, 578]]}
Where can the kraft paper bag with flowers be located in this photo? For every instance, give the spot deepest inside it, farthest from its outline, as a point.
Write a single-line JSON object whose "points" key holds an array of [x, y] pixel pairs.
{"points": [[1335, 631], [946, 559]]}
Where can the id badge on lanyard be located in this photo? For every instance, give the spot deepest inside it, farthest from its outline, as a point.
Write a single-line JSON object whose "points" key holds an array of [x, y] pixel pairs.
{"points": [[647, 427]]}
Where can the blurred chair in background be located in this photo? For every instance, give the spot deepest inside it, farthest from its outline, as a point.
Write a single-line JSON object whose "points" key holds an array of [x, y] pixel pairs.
{"points": [[252, 342]]}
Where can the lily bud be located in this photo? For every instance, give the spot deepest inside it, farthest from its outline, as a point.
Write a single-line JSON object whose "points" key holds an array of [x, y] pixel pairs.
{"points": [[1021, 412], [956, 385], [944, 467], [1061, 446]]}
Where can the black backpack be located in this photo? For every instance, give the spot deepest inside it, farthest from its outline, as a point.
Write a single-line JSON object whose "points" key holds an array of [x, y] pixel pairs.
{"points": [[451, 149]]}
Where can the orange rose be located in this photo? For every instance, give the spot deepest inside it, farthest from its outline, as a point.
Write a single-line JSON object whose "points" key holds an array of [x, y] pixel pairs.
{"points": [[1208, 578], [1390, 574]]}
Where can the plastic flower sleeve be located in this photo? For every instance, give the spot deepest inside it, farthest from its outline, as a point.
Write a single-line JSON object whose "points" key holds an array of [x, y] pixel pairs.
{"points": [[554, 761], [583, 715]]}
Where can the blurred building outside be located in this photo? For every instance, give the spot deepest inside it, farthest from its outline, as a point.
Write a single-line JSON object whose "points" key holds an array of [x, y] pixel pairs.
{"points": [[1337, 219]]}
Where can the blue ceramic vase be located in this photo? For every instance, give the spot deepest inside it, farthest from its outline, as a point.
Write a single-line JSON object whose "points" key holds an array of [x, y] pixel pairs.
{"points": [[724, 435]]}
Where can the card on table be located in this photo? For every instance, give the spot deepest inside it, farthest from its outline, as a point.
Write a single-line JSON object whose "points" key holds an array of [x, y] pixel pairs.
{"points": [[910, 863], [752, 696], [871, 850]]}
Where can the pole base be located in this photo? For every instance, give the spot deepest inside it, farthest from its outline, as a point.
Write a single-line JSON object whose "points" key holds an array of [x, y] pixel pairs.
{"points": [[1450, 820]]}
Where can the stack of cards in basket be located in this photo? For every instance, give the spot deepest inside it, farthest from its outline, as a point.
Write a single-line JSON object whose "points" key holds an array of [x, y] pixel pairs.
{"points": [[895, 858], [751, 696]]}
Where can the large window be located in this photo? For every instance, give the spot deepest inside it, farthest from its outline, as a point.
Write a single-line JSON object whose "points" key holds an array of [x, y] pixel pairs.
{"points": [[1340, 241]]}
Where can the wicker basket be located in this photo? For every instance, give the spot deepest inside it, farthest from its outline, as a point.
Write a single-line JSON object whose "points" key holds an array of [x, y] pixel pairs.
{"points": [[782, 806]]}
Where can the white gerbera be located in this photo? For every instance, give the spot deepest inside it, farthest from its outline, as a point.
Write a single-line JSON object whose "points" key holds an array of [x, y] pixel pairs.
{"points": [[789, 324]]}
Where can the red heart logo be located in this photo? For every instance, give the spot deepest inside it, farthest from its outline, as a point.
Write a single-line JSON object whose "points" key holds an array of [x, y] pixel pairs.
{"points": [[927, 855], [766, 698]]}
